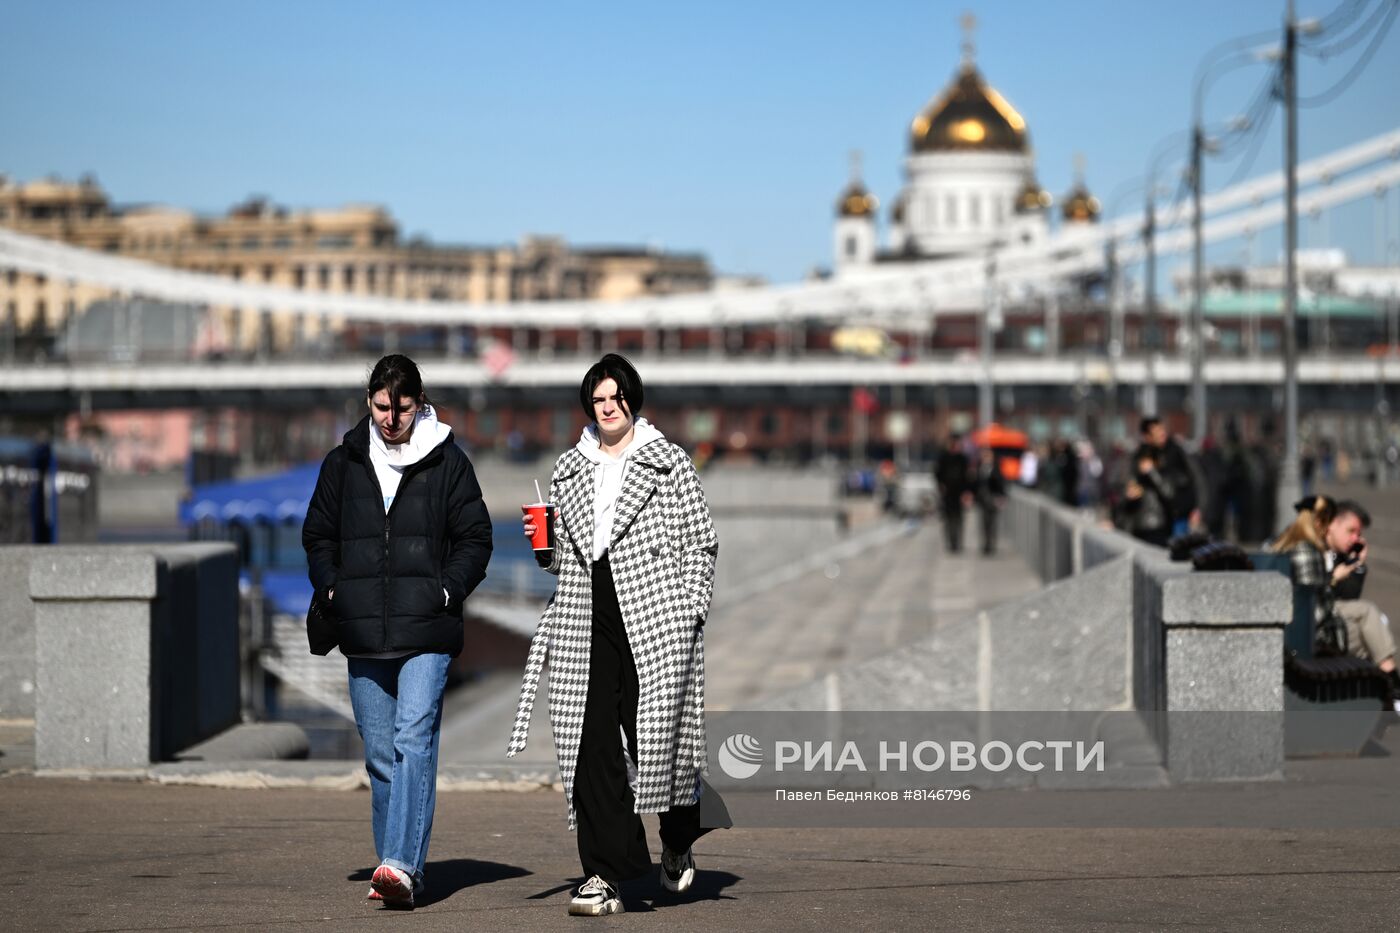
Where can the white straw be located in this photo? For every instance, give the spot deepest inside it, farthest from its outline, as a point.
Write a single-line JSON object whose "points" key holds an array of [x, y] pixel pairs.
{"points": [[538, 497]]}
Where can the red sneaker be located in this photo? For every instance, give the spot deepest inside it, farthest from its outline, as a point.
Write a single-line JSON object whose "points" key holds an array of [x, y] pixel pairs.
{"points": [[394, 886]]}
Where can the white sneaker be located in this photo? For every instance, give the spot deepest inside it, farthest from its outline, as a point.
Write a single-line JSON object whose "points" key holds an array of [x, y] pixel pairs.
{"points": [[677, 871], [595, 898]]}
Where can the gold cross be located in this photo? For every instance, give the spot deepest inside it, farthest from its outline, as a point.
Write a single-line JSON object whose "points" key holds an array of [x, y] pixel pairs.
{"points": [[969, 48]]}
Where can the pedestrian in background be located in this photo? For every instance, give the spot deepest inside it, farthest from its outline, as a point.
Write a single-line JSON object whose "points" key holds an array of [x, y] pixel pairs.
{"points": [[623, 635], [952, 473], [397, 536], [1144, 511], [1175, 468], [989, 489]]}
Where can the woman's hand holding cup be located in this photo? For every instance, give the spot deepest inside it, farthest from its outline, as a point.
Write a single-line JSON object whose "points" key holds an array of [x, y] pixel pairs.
{"points": [[538, 524]]}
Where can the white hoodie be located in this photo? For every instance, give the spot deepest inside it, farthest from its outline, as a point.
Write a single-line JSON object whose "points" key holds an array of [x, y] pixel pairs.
{"points": [[607, 478], [390, 460]]}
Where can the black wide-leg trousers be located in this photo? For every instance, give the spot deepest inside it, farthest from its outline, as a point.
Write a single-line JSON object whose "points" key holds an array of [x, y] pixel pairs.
{"points": [[612, 843]]}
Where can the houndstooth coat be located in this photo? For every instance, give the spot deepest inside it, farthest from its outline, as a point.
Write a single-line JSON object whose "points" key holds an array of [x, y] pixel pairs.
{"points": [[662, 553]]}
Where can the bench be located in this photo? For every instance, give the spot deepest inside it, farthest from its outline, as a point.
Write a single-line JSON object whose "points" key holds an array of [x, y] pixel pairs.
{"points": [[1312, 685]]}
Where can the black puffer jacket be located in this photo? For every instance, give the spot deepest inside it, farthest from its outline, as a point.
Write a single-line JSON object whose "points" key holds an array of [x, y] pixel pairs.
{"points": [[389, 570]]}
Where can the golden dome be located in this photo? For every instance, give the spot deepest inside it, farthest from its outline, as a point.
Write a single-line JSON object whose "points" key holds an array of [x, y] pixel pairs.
{"points": [[857, 202], [969, 116], [1032, 197], [1080, 206]]}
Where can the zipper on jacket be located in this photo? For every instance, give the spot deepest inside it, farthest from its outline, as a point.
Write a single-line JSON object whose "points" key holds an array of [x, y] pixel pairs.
{"points": [[384, 603], [412, 469]]}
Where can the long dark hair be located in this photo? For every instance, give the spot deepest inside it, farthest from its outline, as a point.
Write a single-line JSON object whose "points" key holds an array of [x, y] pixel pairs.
{"points": [[399, 376], [619, 369]]}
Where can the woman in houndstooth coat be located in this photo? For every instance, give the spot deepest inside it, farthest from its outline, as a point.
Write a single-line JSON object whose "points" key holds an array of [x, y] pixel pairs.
{"points": [[623, 636]]}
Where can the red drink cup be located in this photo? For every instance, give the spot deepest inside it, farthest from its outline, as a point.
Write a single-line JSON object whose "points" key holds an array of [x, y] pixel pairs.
{"points": [[542, 514]]}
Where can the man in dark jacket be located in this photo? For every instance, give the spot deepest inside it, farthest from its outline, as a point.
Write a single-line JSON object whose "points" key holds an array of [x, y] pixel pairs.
{"points": [[989, 489], [954, 491], [1175, 467], [1145, 509]]}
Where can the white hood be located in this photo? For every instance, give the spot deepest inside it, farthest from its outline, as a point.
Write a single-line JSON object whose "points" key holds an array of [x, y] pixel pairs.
{"points": [[607, 477], [428, 432], [643, 433], [390, 460]]}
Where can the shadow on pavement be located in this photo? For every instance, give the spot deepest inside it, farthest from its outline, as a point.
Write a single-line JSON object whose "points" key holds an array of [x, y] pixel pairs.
{"points": [[644, 895], [447, 877]]}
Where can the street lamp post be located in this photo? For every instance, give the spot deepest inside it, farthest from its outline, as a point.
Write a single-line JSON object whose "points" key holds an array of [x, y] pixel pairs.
{"points": [[1199, 415], [986, 401], [1149, 322], [1289, 485], [1149, 241], [1217, 62]]}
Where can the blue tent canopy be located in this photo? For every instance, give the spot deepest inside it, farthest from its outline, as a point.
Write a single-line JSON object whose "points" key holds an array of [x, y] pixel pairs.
{"points": [[279, 497]]}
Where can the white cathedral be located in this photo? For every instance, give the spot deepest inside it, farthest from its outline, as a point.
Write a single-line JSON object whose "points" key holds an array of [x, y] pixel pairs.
{"points": [[969, 182]]}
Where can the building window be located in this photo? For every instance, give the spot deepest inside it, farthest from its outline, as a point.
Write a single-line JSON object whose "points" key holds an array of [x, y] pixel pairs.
{"points": [[323, 275], [348, 277], [974, 211], [850, 247], [236, 272], [282, 242], [252, 242], [11, 277], [371, 278], [299, 276], [268, 272], [950, 210], [338, 241]]}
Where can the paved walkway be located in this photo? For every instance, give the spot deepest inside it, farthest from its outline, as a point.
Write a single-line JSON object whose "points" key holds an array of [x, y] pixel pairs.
{"points": [[107, 856]]}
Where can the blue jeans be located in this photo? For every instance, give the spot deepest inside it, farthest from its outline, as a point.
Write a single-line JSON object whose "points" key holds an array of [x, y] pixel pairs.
{"points": [[398, 710]]}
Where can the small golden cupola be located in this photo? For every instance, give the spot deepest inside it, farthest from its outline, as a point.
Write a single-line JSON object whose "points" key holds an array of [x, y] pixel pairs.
{"points": [[855, 200], [969, 115], [1080, 206], [1032, 197]]}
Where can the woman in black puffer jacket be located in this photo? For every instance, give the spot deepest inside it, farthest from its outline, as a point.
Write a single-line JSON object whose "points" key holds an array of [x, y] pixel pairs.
{"points": [[397, 537]]}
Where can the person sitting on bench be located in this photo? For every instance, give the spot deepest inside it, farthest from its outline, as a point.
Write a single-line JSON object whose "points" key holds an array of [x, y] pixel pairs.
{"points": [[1368, 629]]}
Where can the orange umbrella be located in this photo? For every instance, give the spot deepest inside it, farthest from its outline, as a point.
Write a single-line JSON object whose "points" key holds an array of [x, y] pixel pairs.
{"points": [[996, 437]]}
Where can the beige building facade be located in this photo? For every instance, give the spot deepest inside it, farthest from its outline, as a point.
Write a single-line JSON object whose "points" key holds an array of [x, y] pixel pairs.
{"points": [[355, 250]]}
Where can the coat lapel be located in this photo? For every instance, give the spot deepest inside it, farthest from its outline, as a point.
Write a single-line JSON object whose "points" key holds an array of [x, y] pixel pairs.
{"points": [[575, 485], [645, 471]]}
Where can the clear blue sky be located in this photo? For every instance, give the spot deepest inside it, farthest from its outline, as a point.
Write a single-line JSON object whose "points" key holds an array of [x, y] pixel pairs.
{"points": [[719, 126]]}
